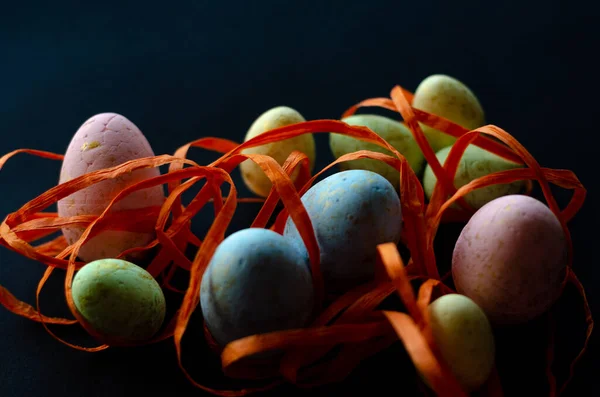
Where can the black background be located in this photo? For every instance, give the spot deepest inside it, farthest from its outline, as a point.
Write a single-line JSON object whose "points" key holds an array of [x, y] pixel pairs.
{"points": [[184, 70]]}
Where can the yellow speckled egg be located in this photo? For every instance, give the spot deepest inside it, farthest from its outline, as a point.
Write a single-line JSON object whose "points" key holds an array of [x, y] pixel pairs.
{"points": [[254, 177], [394, 132], [464, 336], [475, 163], [103, 141], [447, 97]]}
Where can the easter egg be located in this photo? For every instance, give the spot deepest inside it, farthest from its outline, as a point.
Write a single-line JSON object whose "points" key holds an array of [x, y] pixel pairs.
{"points": [[475, 163], [464, 337], [351, 213], [511, 259], [394, 132], [253, 176], [447, 97], [103, 141], [256, 282], [119, 300]]}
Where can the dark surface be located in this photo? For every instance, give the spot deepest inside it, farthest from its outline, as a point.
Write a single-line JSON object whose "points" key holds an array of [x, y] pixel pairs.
{"points": [[198, 69]]}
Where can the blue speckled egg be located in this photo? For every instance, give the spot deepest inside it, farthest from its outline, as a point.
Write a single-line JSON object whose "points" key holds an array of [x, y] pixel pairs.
{"points": [[352, 212], [256, 282]]}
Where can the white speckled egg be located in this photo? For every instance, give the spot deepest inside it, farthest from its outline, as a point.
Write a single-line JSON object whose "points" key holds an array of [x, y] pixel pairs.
{"points": [[106, 140]]}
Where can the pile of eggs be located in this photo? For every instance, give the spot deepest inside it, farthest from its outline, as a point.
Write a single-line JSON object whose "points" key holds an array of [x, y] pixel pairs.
{"points": [[508, 264]]}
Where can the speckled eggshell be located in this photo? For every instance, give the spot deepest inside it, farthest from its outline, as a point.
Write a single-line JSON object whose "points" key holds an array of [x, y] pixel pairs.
{"points": [[447, 97], [394, 132], [464, 336], [351, 212], [256, 282], [106, 140], [511, 259], [253, 176], [119, 300], [474, 164]]}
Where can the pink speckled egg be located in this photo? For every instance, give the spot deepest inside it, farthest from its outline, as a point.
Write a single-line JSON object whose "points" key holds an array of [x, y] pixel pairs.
{"points": [[106, 140], [511, 259]]}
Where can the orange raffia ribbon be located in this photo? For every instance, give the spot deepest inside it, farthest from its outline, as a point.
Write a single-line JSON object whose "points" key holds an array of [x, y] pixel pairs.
{"points": [[352, 322]]}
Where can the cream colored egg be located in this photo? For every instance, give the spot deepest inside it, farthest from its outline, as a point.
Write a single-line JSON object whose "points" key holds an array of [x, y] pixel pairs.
{"points": [[447, 97], [254, 177]]}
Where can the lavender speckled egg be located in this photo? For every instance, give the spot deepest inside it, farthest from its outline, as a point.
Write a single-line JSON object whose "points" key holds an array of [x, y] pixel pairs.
{"points": [[351, 212], [511, 259], [119, 300], [256, 282], [106, 140]]}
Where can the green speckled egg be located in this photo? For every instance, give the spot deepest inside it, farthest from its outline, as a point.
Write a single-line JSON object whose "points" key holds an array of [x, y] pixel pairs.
{"points": [[253, 176], [119, 300], [475, 163], [447, 97], [394, 132], [464, 336]]}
